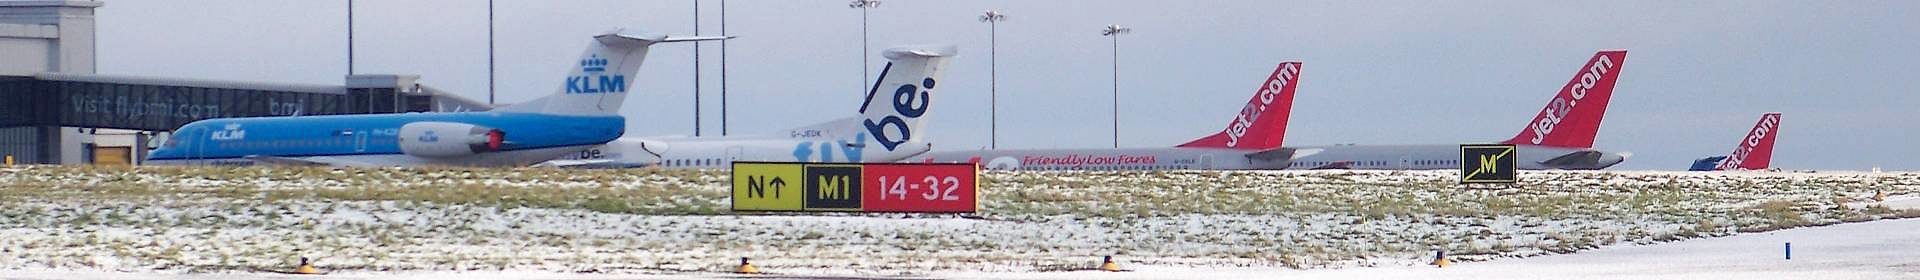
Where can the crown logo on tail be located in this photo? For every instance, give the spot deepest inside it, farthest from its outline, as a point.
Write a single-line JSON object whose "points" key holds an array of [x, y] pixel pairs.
{"points": [[593, 63]]}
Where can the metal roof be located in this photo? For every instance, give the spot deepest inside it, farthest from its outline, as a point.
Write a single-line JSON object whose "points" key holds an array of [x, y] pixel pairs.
{"points": [[138, 80]]}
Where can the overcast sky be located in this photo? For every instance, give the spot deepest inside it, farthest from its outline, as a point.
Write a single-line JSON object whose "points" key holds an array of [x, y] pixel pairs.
{"points": [[1699, 73]]}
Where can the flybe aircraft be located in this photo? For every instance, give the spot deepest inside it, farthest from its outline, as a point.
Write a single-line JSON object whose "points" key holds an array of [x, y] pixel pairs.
{"points": [[1755, 151], [583, 113], [1250, 141], [1559, 137], [887, 128]]}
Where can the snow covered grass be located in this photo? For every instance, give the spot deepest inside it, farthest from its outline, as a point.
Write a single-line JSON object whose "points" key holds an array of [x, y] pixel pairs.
{"points": [[654, 221]]}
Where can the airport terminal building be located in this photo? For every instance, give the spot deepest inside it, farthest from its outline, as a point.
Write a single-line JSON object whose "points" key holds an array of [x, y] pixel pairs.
{"points": [[55, 109]]}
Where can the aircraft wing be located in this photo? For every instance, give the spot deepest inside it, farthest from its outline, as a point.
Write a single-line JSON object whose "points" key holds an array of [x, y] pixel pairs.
{"points": [[273, 160], [588, 164], [1273, 154], [1344, 164], [1706, 163], [1573, 159]]}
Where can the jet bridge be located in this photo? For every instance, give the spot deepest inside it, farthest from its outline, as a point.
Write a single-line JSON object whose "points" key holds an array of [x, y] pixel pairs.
{"points": [[38, 113]]}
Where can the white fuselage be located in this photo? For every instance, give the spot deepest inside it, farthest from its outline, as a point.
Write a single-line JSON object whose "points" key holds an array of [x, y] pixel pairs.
{"points": [[1108, 159], [1418, 157], [721, 152]]}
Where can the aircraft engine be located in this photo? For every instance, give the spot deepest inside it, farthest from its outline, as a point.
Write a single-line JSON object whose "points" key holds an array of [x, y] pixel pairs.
{"points": [[653, 147], [446, 139]]}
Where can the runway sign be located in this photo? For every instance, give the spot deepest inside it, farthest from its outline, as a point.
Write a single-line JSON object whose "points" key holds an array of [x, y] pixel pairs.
{"points": [[943, 188], [855, 187], [1487, 164], [767, 187], [833, 187]]}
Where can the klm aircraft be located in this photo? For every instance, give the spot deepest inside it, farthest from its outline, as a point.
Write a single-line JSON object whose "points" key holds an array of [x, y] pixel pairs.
{"points": [[582, 114]]}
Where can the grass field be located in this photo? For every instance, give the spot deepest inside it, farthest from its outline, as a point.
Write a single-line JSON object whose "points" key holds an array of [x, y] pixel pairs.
{"points": [[653, 221]]}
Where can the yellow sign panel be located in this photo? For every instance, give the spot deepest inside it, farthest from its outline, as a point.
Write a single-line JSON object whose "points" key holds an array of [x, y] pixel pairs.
{"points": [[768, 186], [1487, 164]]}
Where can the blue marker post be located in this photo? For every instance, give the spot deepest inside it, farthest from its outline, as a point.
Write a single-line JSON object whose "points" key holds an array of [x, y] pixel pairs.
{"points": [[1789, 250]]}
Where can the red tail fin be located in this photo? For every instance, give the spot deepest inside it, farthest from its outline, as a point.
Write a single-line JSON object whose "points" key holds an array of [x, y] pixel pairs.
{"points": [[1572, 118], [1263, 122], [1756, 150]]}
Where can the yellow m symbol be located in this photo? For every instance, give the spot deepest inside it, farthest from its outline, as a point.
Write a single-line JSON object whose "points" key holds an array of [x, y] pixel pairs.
{"points": [[1490, 163]]}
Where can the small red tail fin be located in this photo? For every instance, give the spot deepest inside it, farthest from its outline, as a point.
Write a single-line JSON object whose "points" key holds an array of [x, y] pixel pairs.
{"points": [[1756, 150], [1572, 118], [1263, 122]]}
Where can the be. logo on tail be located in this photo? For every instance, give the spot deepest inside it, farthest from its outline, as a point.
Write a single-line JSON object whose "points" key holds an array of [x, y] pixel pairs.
{"points": [[909, 101], [1275, 86], [1560, 106], [594, 78]]}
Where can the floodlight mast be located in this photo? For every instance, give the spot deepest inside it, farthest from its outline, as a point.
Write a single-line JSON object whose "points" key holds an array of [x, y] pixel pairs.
{"points": [[992, 18], [1115, 31], [863, 5]]}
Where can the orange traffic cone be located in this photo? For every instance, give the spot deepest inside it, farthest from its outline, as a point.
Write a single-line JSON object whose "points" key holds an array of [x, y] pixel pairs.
{"points": [[305, 267], [1440, 259], [1879, 196], [746, 268], [1108, 265]]}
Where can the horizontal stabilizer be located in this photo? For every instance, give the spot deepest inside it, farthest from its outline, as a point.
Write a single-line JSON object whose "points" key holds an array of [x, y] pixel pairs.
{"points": [[921, 51], [695, 38]]}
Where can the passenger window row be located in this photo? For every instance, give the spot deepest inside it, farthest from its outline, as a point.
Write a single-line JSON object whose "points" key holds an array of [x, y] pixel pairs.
{"points": [[280, 144], [1104, 168], [1372, 163], [705, 162]]}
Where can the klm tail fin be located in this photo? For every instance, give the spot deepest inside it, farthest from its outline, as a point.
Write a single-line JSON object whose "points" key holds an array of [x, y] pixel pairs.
{"points": [[1263, 122], [1572, 118], [896, 106], [599, 81], [1756, 150]]}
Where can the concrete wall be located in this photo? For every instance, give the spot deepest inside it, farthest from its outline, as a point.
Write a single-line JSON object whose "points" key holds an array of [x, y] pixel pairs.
{"points": [[26, 49], [72, 22], [46, 36]]}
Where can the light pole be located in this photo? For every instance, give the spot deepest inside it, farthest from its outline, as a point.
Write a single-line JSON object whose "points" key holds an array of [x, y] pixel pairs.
{"points": [[723, 69], [1115, 31], [490, 70], [993, 84], [863, 5], [696, 69], [349, 37]]}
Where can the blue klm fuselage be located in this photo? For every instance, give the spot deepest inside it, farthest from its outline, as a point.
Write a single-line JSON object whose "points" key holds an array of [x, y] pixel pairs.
{"points": [[374, 139]]}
